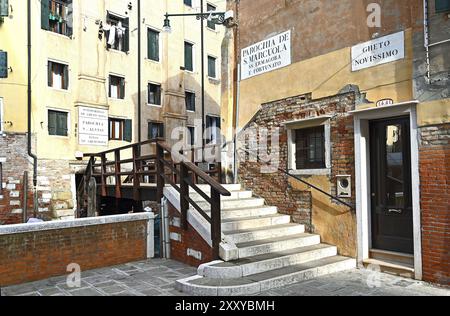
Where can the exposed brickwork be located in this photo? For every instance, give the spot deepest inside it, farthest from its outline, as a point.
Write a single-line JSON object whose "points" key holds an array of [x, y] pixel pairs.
{"points": [[13, 148], [435, 202], [274, 187], [190, 239], [34, 256]]}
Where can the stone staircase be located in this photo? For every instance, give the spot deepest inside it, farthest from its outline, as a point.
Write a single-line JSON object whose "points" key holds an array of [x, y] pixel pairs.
{"points": [[261, 250]]}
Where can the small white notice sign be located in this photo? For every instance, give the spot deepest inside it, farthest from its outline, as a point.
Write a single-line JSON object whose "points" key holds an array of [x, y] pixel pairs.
{"points": [[265, 56], [93, 126], [379, 51]]}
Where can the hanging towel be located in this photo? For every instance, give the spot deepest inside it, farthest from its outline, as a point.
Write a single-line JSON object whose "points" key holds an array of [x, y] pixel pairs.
{"points": [[112, 36], [120, 30]]}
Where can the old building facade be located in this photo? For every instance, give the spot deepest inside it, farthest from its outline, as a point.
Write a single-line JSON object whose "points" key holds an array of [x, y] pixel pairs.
{"points": [[85, 94], [358, 92]]}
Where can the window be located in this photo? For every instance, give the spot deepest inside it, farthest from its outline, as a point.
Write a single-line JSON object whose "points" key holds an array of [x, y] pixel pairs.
{"points": [[56, 16], [310, 148], [154, 94], [188, 3], [188, 56], [190, 101], [58, 75], [57, 123], [155, 130], [117, 33], [116, 87], [191, 136], [213, 129], [3, 64], [153, 45], [4, 11], [212, 67], [120, 129], [210, 8], [442, 6]]}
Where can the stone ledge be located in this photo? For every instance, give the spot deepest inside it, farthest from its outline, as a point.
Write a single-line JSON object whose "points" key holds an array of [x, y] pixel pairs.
{"points": [[35, 227]]}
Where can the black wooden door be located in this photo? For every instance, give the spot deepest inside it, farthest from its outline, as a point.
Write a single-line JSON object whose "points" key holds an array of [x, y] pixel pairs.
{"points": [[392, 220]]}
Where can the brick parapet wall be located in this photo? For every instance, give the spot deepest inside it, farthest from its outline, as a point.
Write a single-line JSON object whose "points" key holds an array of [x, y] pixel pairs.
{"points": [[434, 162], [275, 187], [187, 246], [39, 251]]}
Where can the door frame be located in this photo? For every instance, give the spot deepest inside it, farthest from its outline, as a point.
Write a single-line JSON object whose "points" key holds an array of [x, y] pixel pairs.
{"points": [[363, 181]]}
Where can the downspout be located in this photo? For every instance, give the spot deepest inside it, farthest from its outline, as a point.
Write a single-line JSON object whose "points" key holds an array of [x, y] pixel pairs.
{"points": [[139, 73], [237, 92], [426, 39], [165, 232], [30, 153]]}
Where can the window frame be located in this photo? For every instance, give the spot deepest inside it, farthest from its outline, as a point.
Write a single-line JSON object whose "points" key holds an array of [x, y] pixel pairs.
{"points": [[186, 4], [292, 127], [439, 11], [46, 26], [68, 120], [192, 130], [209, 139], [215, 67], [186, 92], [64, 64], [124, 87], [152, 29], [160, 94], [110, 128], [116, 18], [161, 128], [209, 25]]}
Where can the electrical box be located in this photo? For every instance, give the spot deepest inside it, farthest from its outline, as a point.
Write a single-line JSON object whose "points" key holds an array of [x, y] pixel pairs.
{"points": [[344, 186], [3, 64], [4, 8]]}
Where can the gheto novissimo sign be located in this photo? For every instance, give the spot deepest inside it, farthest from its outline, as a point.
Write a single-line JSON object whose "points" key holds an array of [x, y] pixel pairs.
{"points": [[267, 55], [379, 51]]}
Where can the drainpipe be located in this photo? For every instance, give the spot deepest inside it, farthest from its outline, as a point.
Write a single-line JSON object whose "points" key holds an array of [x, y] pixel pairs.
{"points": [[30, 153], [237, 92], [426, 39], [139, 72]]}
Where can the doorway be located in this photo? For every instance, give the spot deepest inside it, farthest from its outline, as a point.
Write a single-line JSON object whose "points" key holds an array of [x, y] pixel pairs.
{"points": [[391, 192]]}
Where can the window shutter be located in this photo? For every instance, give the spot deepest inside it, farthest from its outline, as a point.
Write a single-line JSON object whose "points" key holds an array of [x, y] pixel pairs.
{"points": [[128, 131], [66, 78], [442, 6], [149, 135], [109, 87], [3, 64], [122, 88], [50, 74], [52, 123], [188, 57], [4, 8], [69, 17], [45, 12], [126, 40], [62, 119]]}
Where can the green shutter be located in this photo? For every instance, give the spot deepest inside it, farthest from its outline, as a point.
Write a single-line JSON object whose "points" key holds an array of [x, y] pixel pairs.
{"points": [[211, 67], [188, 64], [51, 122], [442, 6], [4, 8], [62, 124], [66, 77], [126, 41], [122, 88], [3, 64], [45, 13], [50, 74], [153, 45], [69, 23], [128, 131]]}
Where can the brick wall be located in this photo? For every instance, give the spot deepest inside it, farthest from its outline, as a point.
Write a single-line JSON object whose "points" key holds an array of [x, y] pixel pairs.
{"points": [[275, 187], [14, 154], [27, 256], [187, 246], [435, 202]]}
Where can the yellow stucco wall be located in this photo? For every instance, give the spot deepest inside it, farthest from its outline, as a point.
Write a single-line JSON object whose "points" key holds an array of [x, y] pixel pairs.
{"points": [[90, 64], [433, 112]]}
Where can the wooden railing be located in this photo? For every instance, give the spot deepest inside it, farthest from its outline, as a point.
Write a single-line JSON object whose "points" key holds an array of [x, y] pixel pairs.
{"points": [[189, 175]]}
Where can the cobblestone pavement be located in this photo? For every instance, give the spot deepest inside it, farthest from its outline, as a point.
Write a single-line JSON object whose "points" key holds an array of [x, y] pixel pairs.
{"points": [[157, 278]]}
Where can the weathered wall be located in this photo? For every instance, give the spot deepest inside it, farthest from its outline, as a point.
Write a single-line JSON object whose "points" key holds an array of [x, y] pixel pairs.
{"points": [[187, 246], [435, 202], [36, 254], [14, 160], [334, 222]]}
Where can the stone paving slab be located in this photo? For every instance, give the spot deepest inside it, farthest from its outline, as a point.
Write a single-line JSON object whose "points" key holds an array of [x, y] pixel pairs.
{"points": [[157, 277]]}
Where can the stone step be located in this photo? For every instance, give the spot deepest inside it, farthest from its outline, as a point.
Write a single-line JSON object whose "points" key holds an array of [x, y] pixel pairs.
{"points": [[261, 247], [207, 188], [235, 195], [263, 263], [258, 283], [233, 204], [259, 233], [247, 212], [254, 222]]}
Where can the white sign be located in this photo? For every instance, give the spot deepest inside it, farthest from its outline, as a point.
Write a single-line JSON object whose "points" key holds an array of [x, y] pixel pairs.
{"points": [[266, 56], [379, 51], [385, 102], [93, 126]]}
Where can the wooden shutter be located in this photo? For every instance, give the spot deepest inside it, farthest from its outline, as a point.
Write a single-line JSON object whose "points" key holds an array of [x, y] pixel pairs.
{"points": [[3, 64], [45, 12], [188, 64], [211, 67], [65, 77], [4, 8], [51, 122], [442, 6], [153, 45], [126, 40], [122, 88], [128, 131], [50, 74]]}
